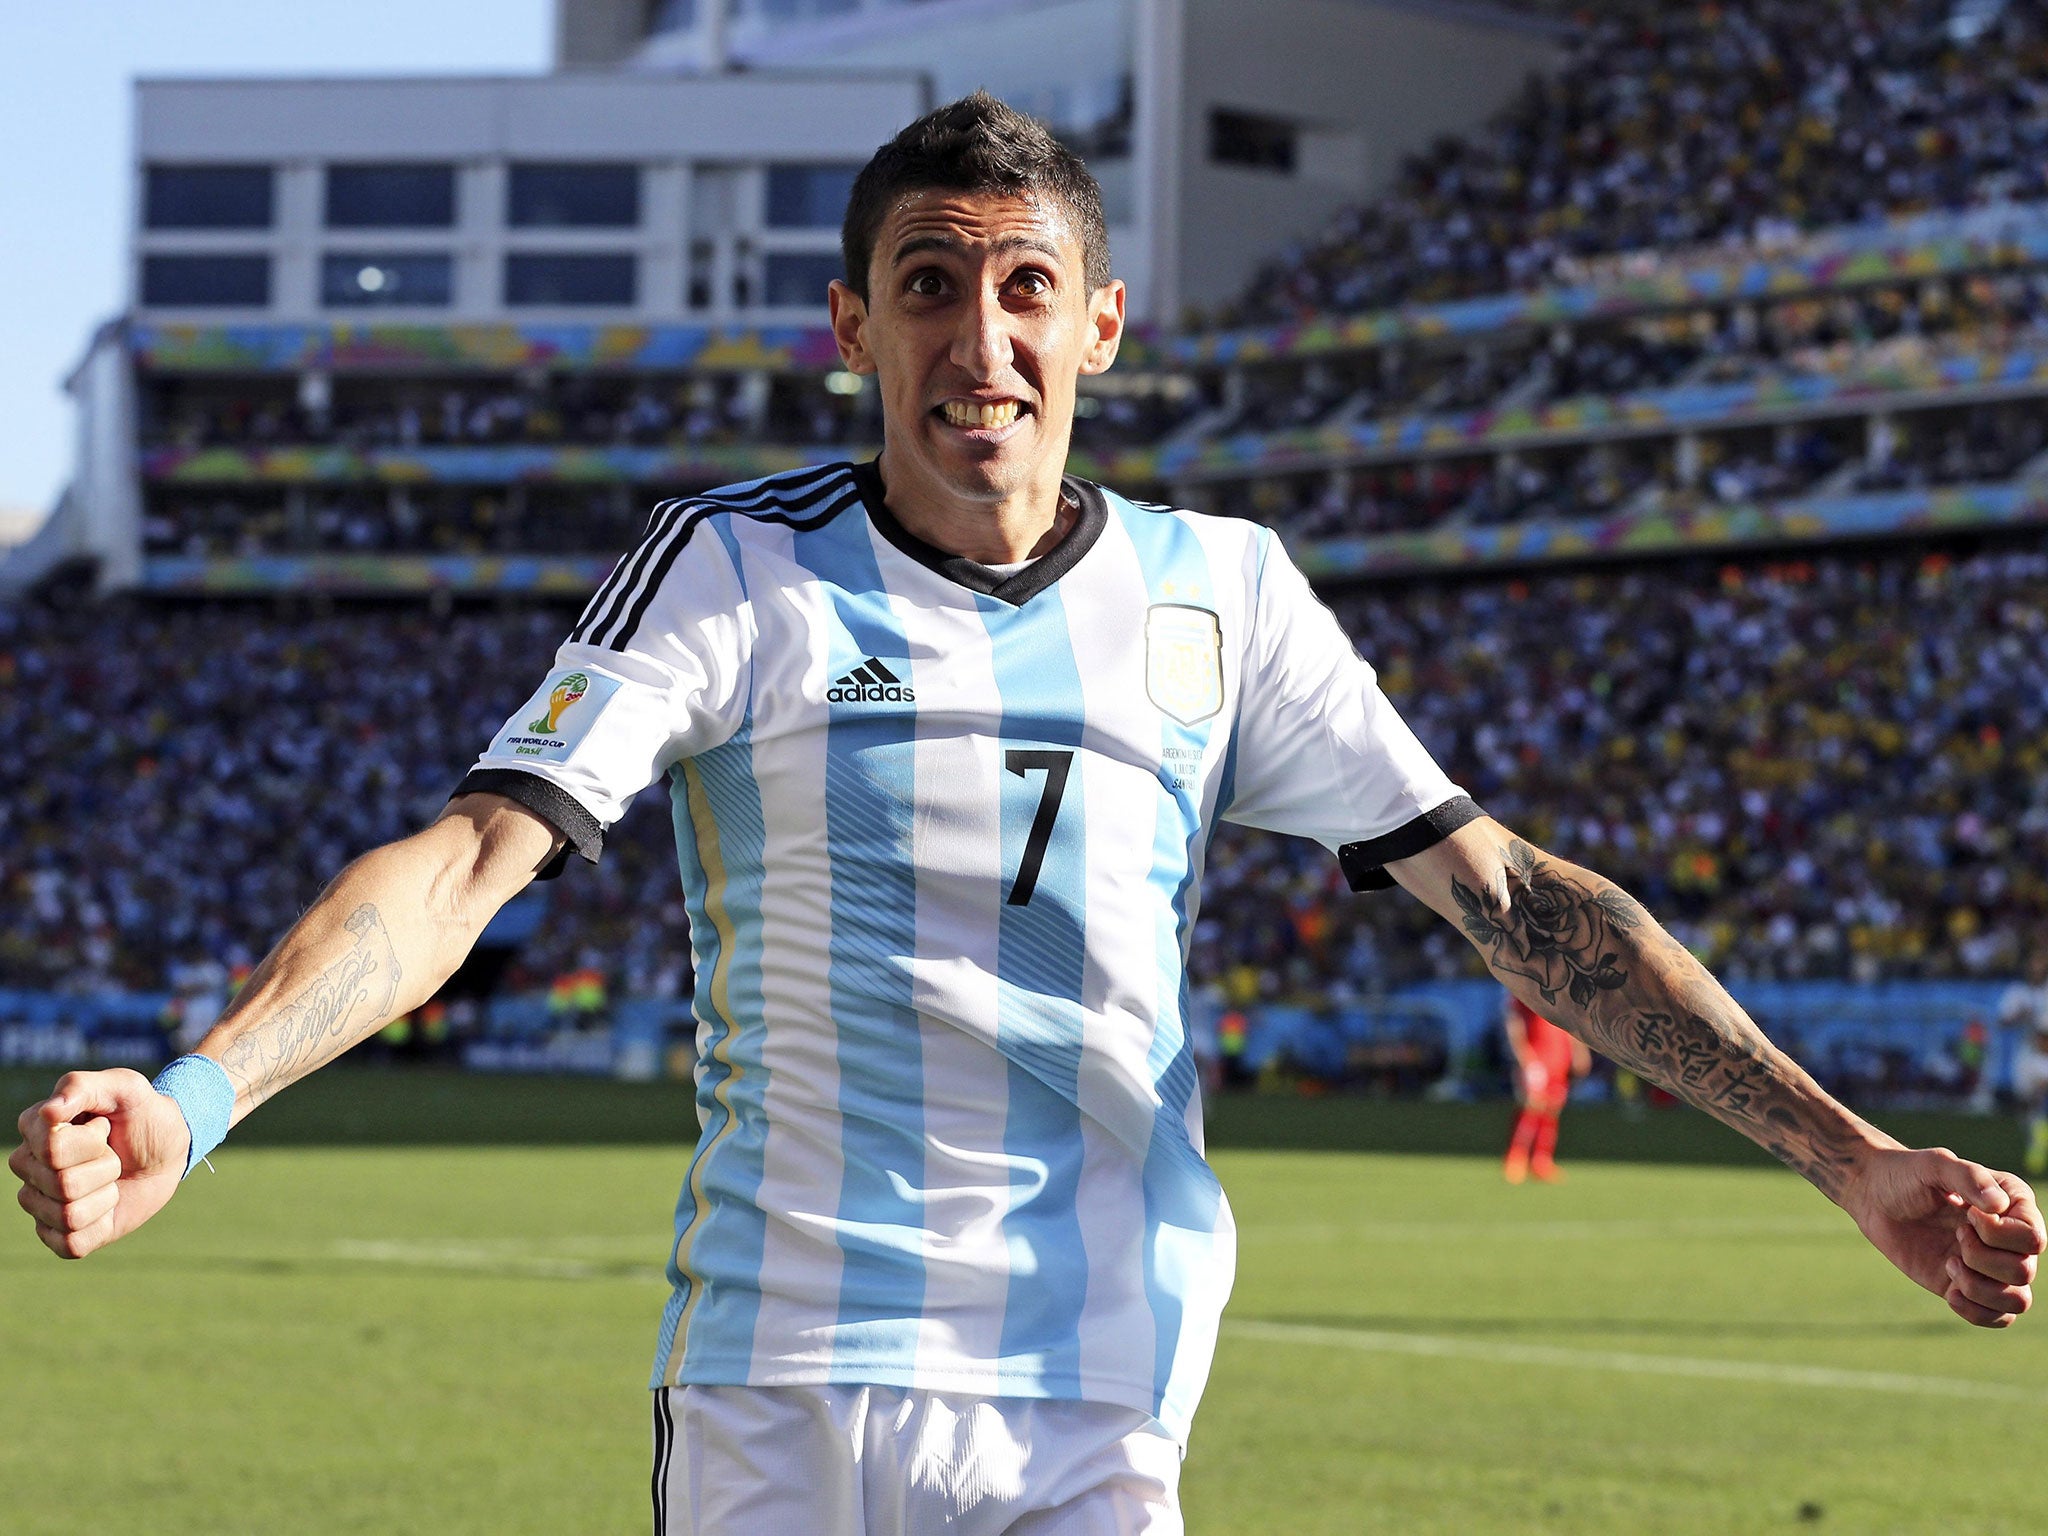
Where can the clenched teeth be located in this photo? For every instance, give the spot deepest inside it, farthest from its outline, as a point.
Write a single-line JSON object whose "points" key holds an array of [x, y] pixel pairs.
{"points": [[969, 413]]}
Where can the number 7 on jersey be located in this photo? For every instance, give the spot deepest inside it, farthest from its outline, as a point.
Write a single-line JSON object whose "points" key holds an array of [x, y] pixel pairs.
{"points": [[1054, 765]]}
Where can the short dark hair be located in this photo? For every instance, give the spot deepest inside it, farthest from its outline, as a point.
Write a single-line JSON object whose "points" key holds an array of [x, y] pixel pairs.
{"points": [[975, 144]]}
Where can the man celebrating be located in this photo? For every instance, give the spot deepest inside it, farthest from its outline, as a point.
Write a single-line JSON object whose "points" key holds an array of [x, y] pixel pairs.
{"points": [[946, 735]]}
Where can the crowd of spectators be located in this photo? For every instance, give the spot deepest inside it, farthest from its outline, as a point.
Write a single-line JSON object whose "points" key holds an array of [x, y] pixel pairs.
{"points": [[1834, 768], [1918, 450], [1831, 768], [1884, 333], [187, 778], [578, 408], [1859, 331], [1675, 126], [586, 409], [1915, 451], [541, 519], [1873, 330]]}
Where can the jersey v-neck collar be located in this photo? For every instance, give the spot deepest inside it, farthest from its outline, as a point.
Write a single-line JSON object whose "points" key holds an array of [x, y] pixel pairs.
{"points": [[1015, 590]]}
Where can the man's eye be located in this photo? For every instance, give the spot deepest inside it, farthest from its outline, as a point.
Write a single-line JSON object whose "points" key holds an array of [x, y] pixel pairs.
{"points": [[926, 284], [1031, 284]]}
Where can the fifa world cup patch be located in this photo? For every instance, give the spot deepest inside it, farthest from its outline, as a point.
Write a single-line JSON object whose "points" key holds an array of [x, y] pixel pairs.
{"points": [[1184, 661], [553, 723]]}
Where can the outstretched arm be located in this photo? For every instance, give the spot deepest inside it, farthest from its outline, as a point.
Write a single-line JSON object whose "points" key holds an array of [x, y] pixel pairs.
{"points": [[1585, 954], [105, 1151], [380, 941]]}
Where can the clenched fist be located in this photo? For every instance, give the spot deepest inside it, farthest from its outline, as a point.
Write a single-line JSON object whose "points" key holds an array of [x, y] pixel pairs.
{"points": [[99, 1157]]}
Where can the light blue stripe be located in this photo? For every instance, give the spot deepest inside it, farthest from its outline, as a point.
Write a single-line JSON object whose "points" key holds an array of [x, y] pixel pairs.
{"points": [[1040, 962], [705, 949], [1180, 1189], [869, 801], [726, 1249]]}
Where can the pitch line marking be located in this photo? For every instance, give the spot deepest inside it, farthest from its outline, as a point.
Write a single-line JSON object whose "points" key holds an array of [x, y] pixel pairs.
{"points": [[489, 1259], [1827, 1377]]}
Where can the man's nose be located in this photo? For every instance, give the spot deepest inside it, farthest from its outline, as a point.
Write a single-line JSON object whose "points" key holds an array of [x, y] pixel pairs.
{"points": [[981, 345]]}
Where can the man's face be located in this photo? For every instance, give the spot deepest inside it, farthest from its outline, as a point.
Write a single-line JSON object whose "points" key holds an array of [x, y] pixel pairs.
{"points": [[977, 323]]}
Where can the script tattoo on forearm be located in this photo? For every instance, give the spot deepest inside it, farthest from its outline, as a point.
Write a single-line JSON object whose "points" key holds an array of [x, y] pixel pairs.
{"points": [[353, 994], [1631, 991]]}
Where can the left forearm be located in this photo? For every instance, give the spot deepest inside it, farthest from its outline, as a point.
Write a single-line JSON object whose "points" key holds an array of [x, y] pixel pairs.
{"points": [[1587, 955]]}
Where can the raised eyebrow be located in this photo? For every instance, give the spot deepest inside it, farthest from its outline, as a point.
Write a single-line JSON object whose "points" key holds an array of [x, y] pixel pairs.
{"points": [[946, 245], [1028, 243]]}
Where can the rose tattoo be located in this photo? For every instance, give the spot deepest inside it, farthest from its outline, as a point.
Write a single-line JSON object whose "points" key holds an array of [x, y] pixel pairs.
{"points": [[1557, 936]]}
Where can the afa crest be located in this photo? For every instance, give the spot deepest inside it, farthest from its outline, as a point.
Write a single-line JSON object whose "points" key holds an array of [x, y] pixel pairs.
{"points": [[1184, 661]]}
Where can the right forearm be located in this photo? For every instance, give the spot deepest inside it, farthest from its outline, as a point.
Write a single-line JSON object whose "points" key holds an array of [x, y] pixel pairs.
{"points": [[371, 949]]}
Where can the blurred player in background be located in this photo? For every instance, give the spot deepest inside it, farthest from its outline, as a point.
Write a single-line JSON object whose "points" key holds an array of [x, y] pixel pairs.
{"points": [[1546, 1061], [2025, 1007], [947, 734]]}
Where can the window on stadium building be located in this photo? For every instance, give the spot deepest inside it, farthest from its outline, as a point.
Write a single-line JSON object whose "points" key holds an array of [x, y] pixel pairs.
{"points": [[240, 282], [207, 197], [390, 196], [808, 196], [415, 278], [573, 196], [1256, 142], [537, 278], [672, 16], [798, 279]]}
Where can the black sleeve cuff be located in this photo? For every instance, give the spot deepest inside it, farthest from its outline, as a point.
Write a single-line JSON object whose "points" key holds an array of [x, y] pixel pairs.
{"points": [[583, 833], [1365, 864]]}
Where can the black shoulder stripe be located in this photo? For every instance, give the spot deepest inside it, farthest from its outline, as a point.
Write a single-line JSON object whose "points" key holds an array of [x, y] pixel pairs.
{"points": [[656, 520], [767, 502], [623, 634], [604, 604], [776, 485], [660, 545], [597, 613], [657, 552]]}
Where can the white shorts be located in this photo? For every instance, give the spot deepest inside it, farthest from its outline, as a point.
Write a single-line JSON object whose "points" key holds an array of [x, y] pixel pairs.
{"points": [[885, 1461]]}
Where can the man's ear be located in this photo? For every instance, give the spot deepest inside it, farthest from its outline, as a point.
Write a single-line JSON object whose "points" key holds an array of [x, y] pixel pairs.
{"points": [[849, 327], [1106, 326]]}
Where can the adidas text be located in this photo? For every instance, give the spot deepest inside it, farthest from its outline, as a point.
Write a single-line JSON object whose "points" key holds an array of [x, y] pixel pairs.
{"points": [[870, 693], [870, 683]]}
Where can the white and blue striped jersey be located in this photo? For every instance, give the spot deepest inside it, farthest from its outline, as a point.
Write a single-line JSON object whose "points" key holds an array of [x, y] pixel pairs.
{"points": [[941, 832]]}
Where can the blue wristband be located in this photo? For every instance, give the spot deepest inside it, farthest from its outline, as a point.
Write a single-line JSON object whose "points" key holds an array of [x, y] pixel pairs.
{"points": [[204, 1096]]}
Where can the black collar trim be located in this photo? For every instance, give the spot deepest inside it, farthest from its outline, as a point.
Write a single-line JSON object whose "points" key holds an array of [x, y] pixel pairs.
{"points": [[1016, 589]]}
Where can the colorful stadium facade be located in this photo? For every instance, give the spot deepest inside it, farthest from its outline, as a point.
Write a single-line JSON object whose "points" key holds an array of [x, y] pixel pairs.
{"points": [[443, 334]]}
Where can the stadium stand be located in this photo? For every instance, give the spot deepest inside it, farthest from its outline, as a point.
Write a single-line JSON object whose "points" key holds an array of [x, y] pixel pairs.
{"points": [[192, 776], [1676, 126], [1831, 768], [1911, 364], [1742, 275], [1775, 756]]}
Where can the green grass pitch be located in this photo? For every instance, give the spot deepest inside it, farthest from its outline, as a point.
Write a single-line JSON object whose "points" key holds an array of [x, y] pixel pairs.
{"points": [[416, 1338]]}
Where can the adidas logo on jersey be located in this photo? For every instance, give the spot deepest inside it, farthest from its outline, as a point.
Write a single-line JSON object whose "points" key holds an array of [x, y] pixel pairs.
{"points": [[870, 683]]}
